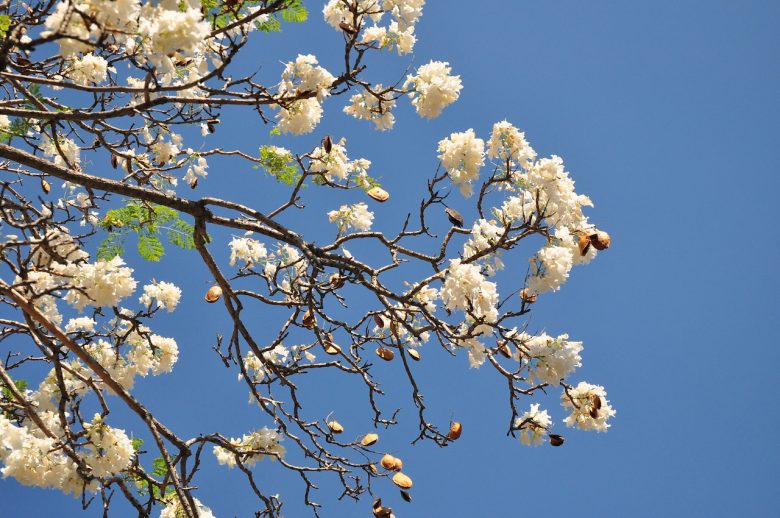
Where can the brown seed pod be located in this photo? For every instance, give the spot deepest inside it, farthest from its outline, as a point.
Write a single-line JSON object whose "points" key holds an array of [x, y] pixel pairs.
{"points": [[596, 401], [213, 295], [455, 430], [600, 240], [45, 187], [114, 161], [406, 495], [379, 321], [373, 469], [211, 125], [385, 354], [583, 242], [381, 511], [454, 216], [402, 480], [336, 280], [414, 354], [556, 440], [335, 426], [327, 144], [527, 296], [378, 194], [194, 183], [329, 346], [309, 319], [347, 28], [391, 463], [594, 412], [504, 350], [369, 439]]}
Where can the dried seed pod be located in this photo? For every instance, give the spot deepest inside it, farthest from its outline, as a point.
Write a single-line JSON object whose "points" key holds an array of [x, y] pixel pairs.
{"points": [[369, 439], [402, 480], [347, 28], [454, 216], [583, 242], [211, 125], [406, 495], [114, 161], [414, 354], [600, 240], [335, 426], [527, 296], [391, 463], [327, 144], [194, 183], [385, 354], [309, 319], [596, 400], [379, 321], [381, 511], [504, 350], [455, 430], [373, 469], [213, 295], [329, 346], [336, 280], [555, 439], [378, 194], [45, 187], [594, 412]]}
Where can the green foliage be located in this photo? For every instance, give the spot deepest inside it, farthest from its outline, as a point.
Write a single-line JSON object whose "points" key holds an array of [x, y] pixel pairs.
{"points": [[159, 468], [149, 222], [295, 12], [280, 166], [21, 386], [5, 24], [19, 127], [137, 443], [224, 13]]}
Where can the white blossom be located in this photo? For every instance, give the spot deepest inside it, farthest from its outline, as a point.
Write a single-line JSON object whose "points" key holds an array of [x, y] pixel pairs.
{"points": [[305, 75], [508, 143], [466, 289], [533, 425], [174, 509], [68, 153], [166, 294], [355, 216], [111, 451], [246, 249], [433, 88], [88, 69], [85, 324], [252, 448], [550, 268], [590, 409], [368, 106], [299, 117], [103, 283], [462, 155], [550, 359]]}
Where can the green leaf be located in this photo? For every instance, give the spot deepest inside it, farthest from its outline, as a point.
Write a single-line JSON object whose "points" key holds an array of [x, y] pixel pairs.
{"points": [[21, 386], [295, 12], [159, 468], [5, 24], [137, 443], [150, 247], [281, 166]]}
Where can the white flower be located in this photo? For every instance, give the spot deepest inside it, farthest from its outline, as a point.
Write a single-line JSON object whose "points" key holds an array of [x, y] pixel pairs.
{"points": [[300, 116], [88, 69], [166, 294], [465, 288], [5, 123], [590, 409], [67, 151], [372, 107], [507, 143], [406, 12], [562, 206], [304, 75], [391, 38], [462, 155], [484, 234], [277, 356], [433, 88], [59, 241], [246, 249], [336, 163], [550, 359], [173, 30], [111, 449], [355, 216], [197, 169], [550, 268], [103, 283], [252, 448], [533, 424], [85, 324], [174, 509]]}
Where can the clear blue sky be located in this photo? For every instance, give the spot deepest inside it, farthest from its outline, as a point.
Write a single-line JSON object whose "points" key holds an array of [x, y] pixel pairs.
{"points": [[666, 113]]}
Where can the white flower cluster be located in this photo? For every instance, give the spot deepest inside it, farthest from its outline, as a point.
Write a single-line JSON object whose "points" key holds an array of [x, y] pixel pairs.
{"points": [[372, 106], [252, 448], [550, 359], [391, 37], [508, 143], [550, 268], [246, 249], [433, 88], [299, 76], [337, 164], [590, 409], [103, 283], [337, 12], [466, 289], [355, 216], [88, 69], [533, 425], [256, 368], [561, 204], [111, 450], [166, 294], [174, 509], [65, 151], [462, 155], [5, 123]]}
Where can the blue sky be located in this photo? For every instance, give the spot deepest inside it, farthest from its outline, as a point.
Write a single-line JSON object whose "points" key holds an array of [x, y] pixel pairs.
{"points": [[666, 115]]}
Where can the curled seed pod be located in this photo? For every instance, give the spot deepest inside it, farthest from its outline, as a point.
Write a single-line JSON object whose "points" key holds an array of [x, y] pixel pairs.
{"points": [[391, 463], [309, 319], [454, 216], [45, 187], [385, 354], [330, 347], [381, 511], [347, 28], [336, 280], [335, 426], [583, 242], [194, 183], [455, 430], [527, 296], [369, 439], [402, 480], [211, 125], [406, 495], [594, 412], [600, 240], [555, 439], [414, 354], [378, 194], [379, 321], [327, 144], [596, 400], [213, 295], [114, 161]]}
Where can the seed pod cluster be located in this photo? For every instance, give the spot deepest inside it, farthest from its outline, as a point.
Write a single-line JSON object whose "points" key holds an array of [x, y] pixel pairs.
{"points": [[391, 463]]}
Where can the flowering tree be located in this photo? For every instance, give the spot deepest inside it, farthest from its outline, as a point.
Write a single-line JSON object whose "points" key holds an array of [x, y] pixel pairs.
{"points": [[100, 94]]}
